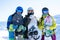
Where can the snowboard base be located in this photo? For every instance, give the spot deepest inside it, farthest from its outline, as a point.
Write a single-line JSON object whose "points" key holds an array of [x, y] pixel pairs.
{"points": [[48, 38]]}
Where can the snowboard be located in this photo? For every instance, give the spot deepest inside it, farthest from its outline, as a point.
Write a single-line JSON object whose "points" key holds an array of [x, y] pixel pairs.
{"points": [[21, 29]]}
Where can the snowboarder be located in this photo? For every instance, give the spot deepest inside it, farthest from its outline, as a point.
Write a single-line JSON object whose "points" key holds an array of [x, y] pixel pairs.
{"points": [[14, 21], [47, 24], [29, 21]]}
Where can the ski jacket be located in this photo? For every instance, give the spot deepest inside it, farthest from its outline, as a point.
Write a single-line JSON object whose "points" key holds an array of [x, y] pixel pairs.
{"points": [[29, 21], [52, 23], [12, 19]]}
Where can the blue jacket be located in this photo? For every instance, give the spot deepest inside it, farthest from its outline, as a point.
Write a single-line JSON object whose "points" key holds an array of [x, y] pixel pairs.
{"points": [[9, 21]]}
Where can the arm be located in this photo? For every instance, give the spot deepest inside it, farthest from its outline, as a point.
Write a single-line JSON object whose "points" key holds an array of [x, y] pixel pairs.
{"points": [[41, 24], [9, 21], [53, 27]]}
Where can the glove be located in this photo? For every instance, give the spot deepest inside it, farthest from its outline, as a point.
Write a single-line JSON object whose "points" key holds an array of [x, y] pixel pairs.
{"points": [[47, 28], [44, 30]]}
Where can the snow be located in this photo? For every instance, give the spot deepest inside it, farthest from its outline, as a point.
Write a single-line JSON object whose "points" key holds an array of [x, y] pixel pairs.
{"points": [[4, 32], [3, 35]]}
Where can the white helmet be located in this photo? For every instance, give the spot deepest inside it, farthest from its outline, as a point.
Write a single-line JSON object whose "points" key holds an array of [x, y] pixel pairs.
{"points": [[30, 8]]}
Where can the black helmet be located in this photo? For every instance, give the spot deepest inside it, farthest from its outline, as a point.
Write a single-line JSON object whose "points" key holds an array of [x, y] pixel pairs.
{"points": [[45, 9]]}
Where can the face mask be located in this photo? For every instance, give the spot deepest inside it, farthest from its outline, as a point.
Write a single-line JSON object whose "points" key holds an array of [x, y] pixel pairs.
{"points": [[44, 15], [30, 13], [19, 13]]}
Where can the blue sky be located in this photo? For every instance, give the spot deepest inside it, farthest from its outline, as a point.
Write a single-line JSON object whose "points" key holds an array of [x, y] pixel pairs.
{"points": [[7, 7]]}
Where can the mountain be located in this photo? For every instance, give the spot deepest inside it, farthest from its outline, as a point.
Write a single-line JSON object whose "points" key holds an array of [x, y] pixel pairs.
{"points": [[57, 17]]}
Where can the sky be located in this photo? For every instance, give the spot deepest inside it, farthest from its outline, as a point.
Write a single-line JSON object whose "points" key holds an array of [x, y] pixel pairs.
{"points": [[8, 7]]}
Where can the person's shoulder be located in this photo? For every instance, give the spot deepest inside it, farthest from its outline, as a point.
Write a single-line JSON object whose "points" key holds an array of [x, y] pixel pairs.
{"points": [[52, 17], [10, 16], [26, 16]]}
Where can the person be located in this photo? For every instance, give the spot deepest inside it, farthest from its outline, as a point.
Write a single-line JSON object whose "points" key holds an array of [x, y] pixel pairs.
{"points": [[30, 21], [14, 21], [47, 24]]}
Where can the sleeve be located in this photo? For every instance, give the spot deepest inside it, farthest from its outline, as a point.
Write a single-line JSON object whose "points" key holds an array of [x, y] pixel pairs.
{"points": [[41, 24], [53, 27], [24, 19], [9, 21]]}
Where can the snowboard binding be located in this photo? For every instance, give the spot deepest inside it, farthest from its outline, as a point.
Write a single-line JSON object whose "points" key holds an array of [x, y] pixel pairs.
{"points": [[19, 32], [33, 33], [47, 31]]}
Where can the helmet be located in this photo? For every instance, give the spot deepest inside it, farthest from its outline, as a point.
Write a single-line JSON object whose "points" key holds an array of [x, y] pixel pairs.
{"points": [[30, 8], [19, 9], [45, 10]]}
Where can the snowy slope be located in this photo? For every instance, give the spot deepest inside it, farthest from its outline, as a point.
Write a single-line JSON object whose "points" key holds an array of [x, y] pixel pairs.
{"points": [[3, 31]]}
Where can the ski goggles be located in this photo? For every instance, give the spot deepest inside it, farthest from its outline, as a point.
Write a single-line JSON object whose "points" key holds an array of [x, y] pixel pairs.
{"points": [[19, 11], [45, 12]]}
